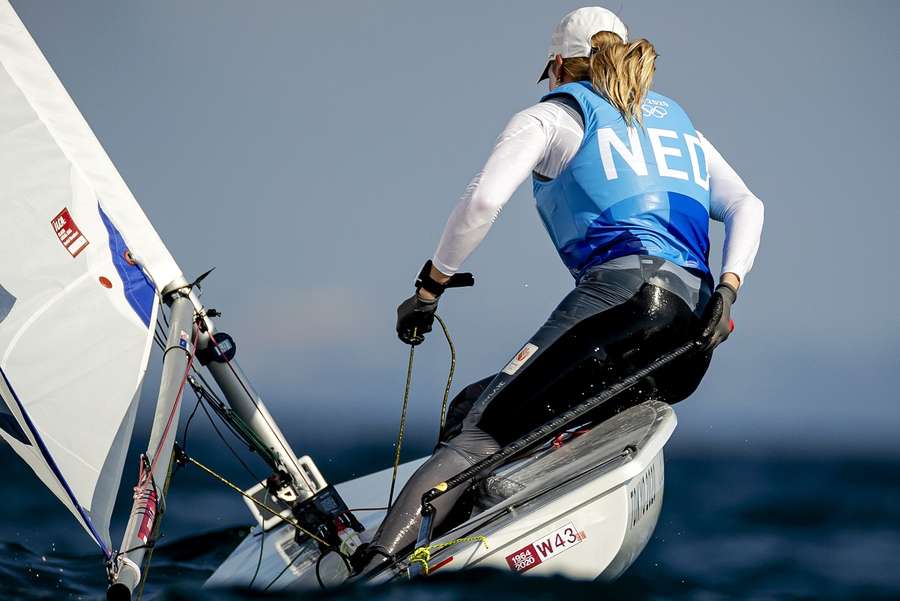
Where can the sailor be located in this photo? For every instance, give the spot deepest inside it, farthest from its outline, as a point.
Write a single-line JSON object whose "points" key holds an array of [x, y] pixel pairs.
{"points": [[625, 186]]}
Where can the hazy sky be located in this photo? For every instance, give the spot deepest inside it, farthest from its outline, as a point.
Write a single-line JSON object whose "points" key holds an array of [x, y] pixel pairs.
{"points": [[312, 151]]}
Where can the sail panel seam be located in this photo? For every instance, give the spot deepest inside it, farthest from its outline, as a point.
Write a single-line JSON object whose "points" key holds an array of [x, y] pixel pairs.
{"points": [[38, 313]]}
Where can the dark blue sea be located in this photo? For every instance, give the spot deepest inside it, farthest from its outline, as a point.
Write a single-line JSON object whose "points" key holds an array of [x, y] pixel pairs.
{"points": [[732, 527]]}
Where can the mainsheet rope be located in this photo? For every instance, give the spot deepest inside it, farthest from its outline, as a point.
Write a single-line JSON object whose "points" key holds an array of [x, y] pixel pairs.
{"points": [[403, 411]]}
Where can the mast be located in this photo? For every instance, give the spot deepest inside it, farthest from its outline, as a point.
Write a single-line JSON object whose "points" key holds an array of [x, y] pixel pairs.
{"points": [[125, 568], [192, 339]]}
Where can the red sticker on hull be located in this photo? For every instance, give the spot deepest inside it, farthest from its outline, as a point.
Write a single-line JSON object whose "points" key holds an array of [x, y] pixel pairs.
{"points": [[544, 548], [68, 233], [523, 559]]}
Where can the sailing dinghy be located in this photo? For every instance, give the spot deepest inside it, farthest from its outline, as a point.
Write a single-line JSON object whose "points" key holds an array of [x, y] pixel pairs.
{"points": [[583, 508], [84, 278]]}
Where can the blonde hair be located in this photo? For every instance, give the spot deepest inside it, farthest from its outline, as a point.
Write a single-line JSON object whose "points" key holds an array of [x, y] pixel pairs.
{"points": [[620, 72]]}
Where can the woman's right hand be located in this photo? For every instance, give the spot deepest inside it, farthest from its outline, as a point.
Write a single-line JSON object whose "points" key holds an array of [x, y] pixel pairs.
{"points": [[415, 316]]}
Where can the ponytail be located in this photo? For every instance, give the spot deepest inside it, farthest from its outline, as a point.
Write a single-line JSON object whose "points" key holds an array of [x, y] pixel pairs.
{"points": [[620, 72]]}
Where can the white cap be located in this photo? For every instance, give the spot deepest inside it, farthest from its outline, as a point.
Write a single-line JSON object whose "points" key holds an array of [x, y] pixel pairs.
{"points": [[572, 37]]}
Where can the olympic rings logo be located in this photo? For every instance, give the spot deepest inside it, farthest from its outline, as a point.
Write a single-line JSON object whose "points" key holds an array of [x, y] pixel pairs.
{"points": [[654, 111]]}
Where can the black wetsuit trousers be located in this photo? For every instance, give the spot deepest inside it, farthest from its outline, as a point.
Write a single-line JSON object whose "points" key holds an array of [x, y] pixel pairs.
{"points": [[621, 316]]}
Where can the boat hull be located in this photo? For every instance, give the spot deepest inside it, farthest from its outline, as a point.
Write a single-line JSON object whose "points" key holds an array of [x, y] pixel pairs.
{"points": [[583, 510]]}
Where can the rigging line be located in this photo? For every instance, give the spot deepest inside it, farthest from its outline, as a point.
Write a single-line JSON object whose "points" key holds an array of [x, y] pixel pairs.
{"points": [[203, 396], [262, 545], [443, 416], [206, 385], [318, 574], [160, 331], [213, 402], [238, 428], [230, 448], [200, 399], [402, 429], [281, 573], [218, 411], [290, 456], [257, 502], [292, 459], [232, 428], [236, 425], [187, 425], [245, 435], [262, 539], [163, 313], [159, 335]]}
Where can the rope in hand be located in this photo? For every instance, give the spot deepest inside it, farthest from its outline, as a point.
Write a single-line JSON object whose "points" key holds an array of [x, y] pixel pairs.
{"points": [[402, 430], [443, 416], [403, 411]]}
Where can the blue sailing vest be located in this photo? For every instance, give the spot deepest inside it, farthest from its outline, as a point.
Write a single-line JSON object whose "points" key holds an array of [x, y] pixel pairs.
{"points": [[629, 191]]}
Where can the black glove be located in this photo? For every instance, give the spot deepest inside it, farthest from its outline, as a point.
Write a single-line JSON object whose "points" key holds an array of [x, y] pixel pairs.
{"points": [[415, 317], [716, 320]]}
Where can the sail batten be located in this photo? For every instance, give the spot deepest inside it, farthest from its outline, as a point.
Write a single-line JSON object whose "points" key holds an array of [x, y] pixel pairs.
{"points": [[81, 269]]}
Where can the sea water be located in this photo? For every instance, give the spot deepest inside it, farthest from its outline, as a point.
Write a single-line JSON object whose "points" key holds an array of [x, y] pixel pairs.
{"points": [[732, 527]]}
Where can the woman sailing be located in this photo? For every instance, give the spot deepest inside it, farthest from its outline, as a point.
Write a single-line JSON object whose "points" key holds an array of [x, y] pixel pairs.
{"points": [[625, 186]]}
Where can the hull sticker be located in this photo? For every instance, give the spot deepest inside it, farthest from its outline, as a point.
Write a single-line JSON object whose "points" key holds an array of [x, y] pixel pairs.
{"points": [[545, 548]]}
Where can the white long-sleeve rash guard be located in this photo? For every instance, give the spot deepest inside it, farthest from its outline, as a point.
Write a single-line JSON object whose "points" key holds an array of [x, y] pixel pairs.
{"points": [[543, 138]]}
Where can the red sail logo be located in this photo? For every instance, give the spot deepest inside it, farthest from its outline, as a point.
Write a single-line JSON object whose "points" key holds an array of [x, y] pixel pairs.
{"points": [[68, 233]]}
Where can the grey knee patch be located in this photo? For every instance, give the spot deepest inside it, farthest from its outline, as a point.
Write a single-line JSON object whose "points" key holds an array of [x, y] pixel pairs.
{"points": [[473, 445]]}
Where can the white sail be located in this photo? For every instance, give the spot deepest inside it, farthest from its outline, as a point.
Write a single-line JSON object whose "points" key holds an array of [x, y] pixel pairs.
{"points": [[80, 269]]}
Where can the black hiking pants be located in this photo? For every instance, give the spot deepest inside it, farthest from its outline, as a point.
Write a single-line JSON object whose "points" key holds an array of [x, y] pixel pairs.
{"points": [[622, 315]]}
